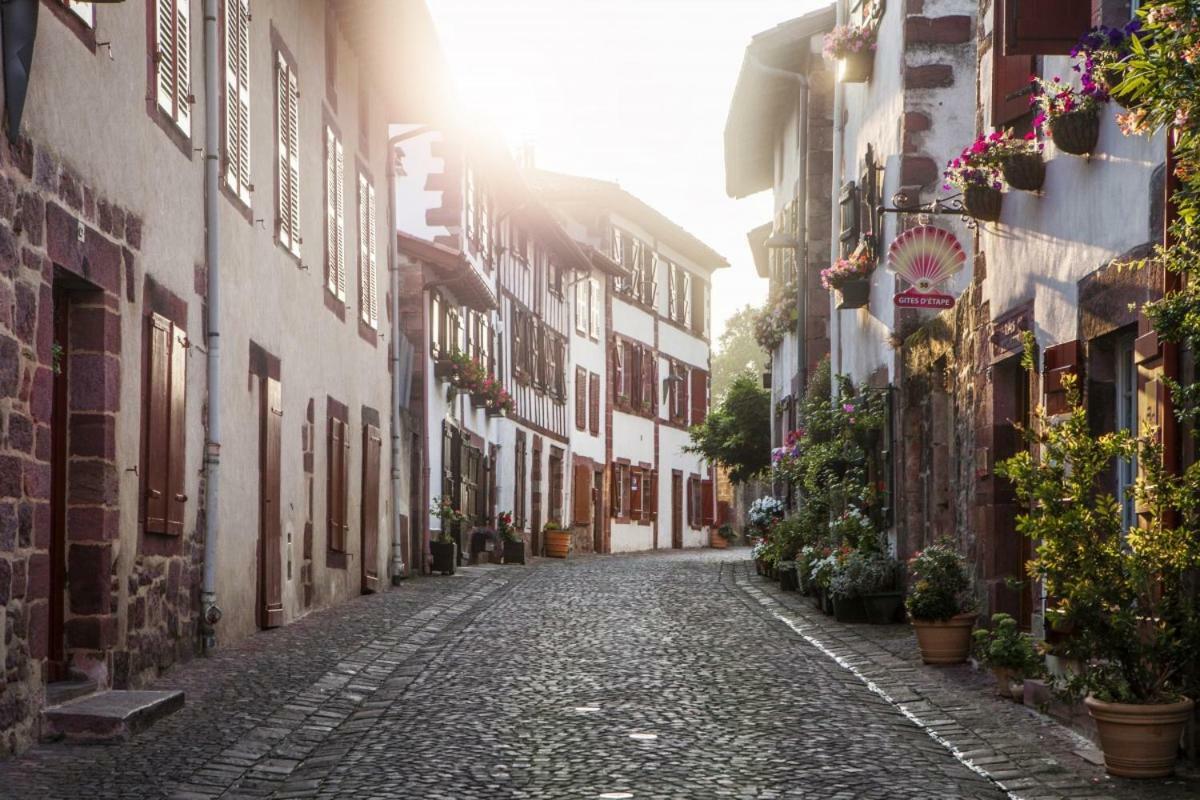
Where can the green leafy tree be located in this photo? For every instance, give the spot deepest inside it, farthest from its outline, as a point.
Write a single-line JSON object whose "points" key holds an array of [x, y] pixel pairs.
{"points": [[737, 352], [737, 432]]}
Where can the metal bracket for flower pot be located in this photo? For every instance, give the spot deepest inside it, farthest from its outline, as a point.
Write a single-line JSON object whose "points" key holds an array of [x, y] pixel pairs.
{"points": [[855, 294]]}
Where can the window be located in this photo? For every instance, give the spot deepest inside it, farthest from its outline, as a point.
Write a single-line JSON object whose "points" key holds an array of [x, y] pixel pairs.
{"points": [[617, 250], [336, 484], [685, 299], [519, 482], [237, 98], [620, 390], [594, 403], [553, 277], [368, 279], [335, 219], [287, 124], [594, 300], [472, 479], [163, 484], [582, 306], [619, 485], [1042, 27], [554, 513], [172, 61], [699, 295], [695, 514], [699, 393], [478, 218], [677, 400], [581, 398]]}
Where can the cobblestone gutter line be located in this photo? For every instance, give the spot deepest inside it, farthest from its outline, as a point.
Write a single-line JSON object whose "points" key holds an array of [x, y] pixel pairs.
{"points": [[1014, 761]]}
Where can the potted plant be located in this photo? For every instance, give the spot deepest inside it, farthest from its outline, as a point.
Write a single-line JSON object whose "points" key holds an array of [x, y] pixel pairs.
{"points": [[788, 579], [851, 278], [757, 554], [775, 320], [722, 537], [1020, 160], [1009, 654], [444, 548], [513, 542], [868, 579], [939, 604], [558, 541], [1123, 594], [1071, 115], [1100, 58], [823, 571], [853, 47], [976, 173]]}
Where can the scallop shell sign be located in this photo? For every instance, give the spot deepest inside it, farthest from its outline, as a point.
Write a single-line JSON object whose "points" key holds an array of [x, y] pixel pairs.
{"points": [[926, 257]]}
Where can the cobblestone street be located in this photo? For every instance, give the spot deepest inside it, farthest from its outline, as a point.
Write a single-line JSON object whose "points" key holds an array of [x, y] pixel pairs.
{"points": [[524, 683]]}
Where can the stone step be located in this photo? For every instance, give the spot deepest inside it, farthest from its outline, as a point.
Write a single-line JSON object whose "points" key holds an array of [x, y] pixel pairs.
{"points": [[61, 692], [108, 716]]}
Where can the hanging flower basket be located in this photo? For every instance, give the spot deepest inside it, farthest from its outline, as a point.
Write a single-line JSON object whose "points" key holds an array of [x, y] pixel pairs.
{"points": [[855, 293], [857, 67], [1024, 171], [982, 203], [478, 399], [1076, 132], [853, 47]]}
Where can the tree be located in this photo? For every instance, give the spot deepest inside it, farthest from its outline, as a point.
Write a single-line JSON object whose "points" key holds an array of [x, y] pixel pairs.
{"points": [[737, 351], [737, 432]]}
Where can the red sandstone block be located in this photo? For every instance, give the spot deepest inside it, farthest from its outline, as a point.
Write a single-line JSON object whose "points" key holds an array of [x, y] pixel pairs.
{"points": [[92, 483], [39, 625], [96, 329], [104, 262], [90, 567], [36, 478], [10, 476], [953, 29], [92, 524], [95, 382], [918, 170], [93, 435], [929, 76], [95, 633], [39, 576]]}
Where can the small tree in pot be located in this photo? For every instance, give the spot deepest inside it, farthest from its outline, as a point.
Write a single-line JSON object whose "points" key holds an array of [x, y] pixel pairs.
{"points": [[514, 543], [1009, 653], [444, 548], [940, 604]]}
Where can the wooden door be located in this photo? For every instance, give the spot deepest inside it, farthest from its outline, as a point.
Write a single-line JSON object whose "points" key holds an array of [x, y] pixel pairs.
{"points": [[270, 557], [536, 503], [598, 511], [56, 664], [415, 557], [676, 510], [372, 447]]}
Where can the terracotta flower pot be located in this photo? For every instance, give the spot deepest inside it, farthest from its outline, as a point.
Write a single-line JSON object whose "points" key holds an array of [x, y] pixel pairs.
{"points": [[857, 67], [945, 641], [558, 544], [982, 203], [1004, 679], [855, 293], [1140, 741], [717, 541], [1024, 171], [1076, 132]]}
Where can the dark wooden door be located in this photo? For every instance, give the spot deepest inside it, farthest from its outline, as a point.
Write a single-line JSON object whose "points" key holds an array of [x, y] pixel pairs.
{"points": [[372, 447], [676, 510], [56, 665], [598, 511], [535, 533], [270, 557], [415, 557]]}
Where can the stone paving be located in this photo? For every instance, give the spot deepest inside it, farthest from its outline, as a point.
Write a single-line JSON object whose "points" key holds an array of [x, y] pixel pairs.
{"points": [[527, 682]]}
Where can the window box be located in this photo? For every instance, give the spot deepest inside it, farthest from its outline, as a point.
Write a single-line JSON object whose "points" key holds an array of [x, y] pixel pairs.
{"points": [[478, 399], [443, 367]]}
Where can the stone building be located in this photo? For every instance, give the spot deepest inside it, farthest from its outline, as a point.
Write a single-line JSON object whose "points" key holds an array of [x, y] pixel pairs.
{"points": [[143, 177]]}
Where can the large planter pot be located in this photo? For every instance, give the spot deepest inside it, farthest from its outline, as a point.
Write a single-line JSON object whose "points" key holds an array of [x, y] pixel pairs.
{"points": [[849, 609], [445, 554], [857, 67], [1004, 681], [514, 552], [788, 579], [1024, 171], [1076, 132], [883, 607], [982, 203], [717, 541], [759, 567], [1140, 741], [855, 294], [827, 602], [558, 544], [945, 641]]}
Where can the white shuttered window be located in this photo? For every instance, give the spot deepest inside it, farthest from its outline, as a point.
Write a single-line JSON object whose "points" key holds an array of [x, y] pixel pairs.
{"points": [[335, 216], [172, 61], [367, 277], [287, 97], [237, 98]]}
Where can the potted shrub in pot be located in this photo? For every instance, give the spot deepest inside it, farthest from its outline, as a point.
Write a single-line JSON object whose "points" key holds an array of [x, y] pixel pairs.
{"points": [[514, 544], [558, 540], [720, 538], [939, 604], [444, 548], [976, 173], [853, 47], [865, 583], [1123, 594], [1071, 115], [1009, 654], [822, 576], [788, 579], [851, 278]]}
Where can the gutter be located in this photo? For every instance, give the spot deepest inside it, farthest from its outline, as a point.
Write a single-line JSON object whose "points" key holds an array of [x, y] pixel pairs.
{"points": [[839, 131], [210, 613]]}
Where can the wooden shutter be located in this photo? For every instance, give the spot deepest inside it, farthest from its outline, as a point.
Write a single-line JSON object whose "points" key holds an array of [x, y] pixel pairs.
{"points": [[699, 396], [336, 482], [1044, 27], [335, 241], [177, 435], [372, 448], [172, 60], [1060, 360], [691, 505], [614, 489], [686, 297], [654, 384], [650, 493], [581, 398], [158, 415], [581, 492], [284, 198], [581, 307], [270, 555], [635, 492], [618, 356], [672, 299], [594, 403], [293, 96], [594, 316], [237, 97], [368, 309], [698, 306], [706, 502], [1010, 87]]}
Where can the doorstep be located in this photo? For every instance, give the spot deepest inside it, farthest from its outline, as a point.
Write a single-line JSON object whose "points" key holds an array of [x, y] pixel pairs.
{"points": [[1026, 753], [111, 716]]}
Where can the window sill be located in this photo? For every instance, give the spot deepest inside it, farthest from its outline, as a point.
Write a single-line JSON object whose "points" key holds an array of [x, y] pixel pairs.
{"points": [[335, 304], [240, 206]]}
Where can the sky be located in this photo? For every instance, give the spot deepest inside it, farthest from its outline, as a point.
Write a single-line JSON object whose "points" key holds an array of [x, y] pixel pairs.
{"points": [[632, 91]]}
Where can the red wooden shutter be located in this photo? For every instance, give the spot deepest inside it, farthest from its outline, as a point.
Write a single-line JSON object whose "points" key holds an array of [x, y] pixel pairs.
{"points": [[581, 398], [177, 434], [335, 483], [270, 556], [158, 415], [651, 493], [706, 502], [1010, 87], [618, 371], [647, 387], [1060, 360], [582, 494], [1044, 27], [372, 447], [635, 492], [594, 403], [698, 306], [691, 502], [614, 489], [699, 390]]}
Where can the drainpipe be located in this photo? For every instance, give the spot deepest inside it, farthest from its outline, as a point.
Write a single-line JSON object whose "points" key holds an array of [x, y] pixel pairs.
{"points": [[210, 613], [839, 131], [802, 250]]}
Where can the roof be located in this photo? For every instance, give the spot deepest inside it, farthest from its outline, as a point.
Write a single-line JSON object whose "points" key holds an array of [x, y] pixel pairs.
{"points": [[762, 98], [396, 41], [451, 269], [557, 187], [758, 247]]}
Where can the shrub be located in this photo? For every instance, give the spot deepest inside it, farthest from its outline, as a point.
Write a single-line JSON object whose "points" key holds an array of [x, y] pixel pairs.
{"points": [[938, 584], [1005, 647], [862, 573]]}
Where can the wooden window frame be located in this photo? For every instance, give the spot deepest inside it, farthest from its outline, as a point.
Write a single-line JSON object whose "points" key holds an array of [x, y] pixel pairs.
{"points": [[287, 153], [368, 235], [335, 214], [337, 468], [236, 139], [594, 403], [172, 103]]}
